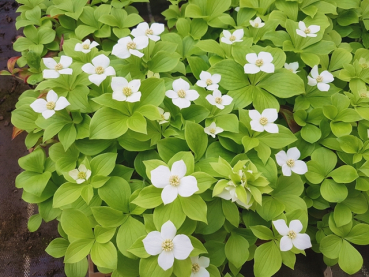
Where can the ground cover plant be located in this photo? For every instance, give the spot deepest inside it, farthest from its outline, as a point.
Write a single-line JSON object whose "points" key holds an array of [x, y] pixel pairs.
{"points": [[237, 132]]}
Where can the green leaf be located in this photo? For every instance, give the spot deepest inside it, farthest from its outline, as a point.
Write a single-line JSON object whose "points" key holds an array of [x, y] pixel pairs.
{"points": [[33, 161], [76, 224], [262, 232], [236, 250], [77, 269], [270, 209], [103, 235], [116, 193], [196, 139], [168, 147], [344, 174], [268, 260], [104, 255], [332, 191], [276, 141], [342, 215], [66, 194], [57, 247], [34, 222], [103, 164], [137, 123], [211, 46], [78, 250], [149, 198], [231, 213], [108, 124], [163, 62], [138, 248], [283, 85], [108, 217], [349, 258], [331, 246], [359, 234], [233, 75], [194, 207], [150, 268], [182, 267], [172, 212]]}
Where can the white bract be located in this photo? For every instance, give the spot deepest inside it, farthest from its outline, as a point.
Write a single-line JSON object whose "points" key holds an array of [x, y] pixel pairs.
{"points": [[237, 9], [229, 38], [320, 80], [264, 121], [199, 265], [181, 94], [81, 174], [213, 130], [291, 235], [56, 69], [257, 23], [86, 46], [208, 81], [289, 162], [164, 116], [229, 193], [173, 181], [99, 69], [126, 91], [307, 31], [127, 47], [167, 245], [260, 62], [52, 103], [292, 67], [153, 32], [218, 100]]}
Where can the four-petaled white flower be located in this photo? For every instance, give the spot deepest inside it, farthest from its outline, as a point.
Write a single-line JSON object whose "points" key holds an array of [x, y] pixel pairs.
{"points": [[229, 38], [52, 103], [174, 181], [55, 69], [126, 91], [164, 116], [257, 23], [218, 100], [209, 81], [260, 62], [213, 130], [289, 162], [127, 47], [291, 235], [320, 80], [292, 67], [167, 245], [307, 31], [81, 174], [99, 69], [229, 193], [199, 265], [181, 94], [85, 46], [153, 32], [264, 121]]}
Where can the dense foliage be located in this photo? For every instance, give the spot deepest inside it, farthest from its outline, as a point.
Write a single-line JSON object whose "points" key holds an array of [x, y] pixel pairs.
{"points": [[237, 133]]}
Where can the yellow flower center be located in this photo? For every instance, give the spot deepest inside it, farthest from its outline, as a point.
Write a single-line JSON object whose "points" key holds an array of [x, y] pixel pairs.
{"points": [[162, 116], [256, 25], [259, 62], [209, 82], [82, 175], [50, 105], [59, 66], [307, 31], [212, 131], [167, 245], [290, 70], [218, 100], [174, 180], [319, 79], [99, 70], [291, 234], [291, 162], [181, 93], [131, 45], [232, 38], [149, 32], [86, 46], [364, 65], [127, 91], [195, 268], [263, 121]]}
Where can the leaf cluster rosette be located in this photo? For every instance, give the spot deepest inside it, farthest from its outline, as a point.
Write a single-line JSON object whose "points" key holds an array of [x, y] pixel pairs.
{"points": [[237, 133]]}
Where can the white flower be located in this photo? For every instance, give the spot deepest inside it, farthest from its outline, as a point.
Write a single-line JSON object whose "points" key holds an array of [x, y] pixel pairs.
{"points": [[307, 31], [218, 100], [127, 47], [229, 193], [292, 67], [153, 32], [237, 9], [257, 23], [208, 81], [85, 46], [99, 69], [291, 235], [164, 116], [52, 103], [55, 69], [126, 91], [213, 130], [174, 181], [81, 174], [321, 80], [264, 121], [260, 62], [198, 266], [167, 245], [289, 161], [181, 94], [232, 38]]}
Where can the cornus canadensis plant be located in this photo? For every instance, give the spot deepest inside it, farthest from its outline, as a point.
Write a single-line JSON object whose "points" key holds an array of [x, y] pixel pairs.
{"points": [[192, 147]]}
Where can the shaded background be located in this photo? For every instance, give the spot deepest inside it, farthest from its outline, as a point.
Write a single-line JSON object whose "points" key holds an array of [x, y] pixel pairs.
{"points": [[23, 253]]}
